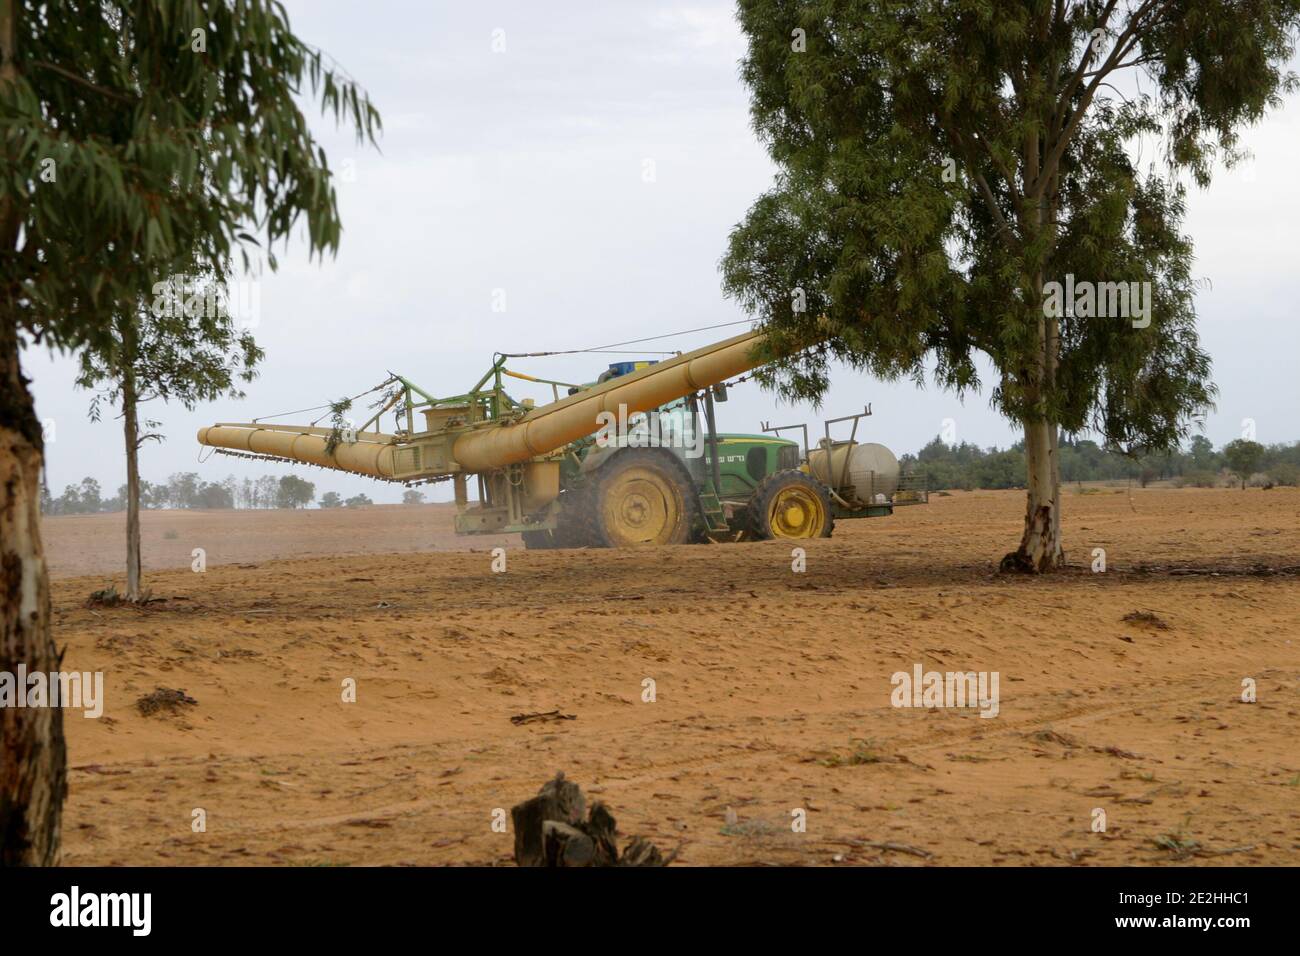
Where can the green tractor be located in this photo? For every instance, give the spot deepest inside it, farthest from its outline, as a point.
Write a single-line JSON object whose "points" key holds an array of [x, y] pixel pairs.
{"points": [[669, 477]]}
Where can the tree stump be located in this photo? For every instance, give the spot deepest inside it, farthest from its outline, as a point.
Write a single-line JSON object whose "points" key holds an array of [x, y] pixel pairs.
{"points": [[558, 801], [554, 829]]}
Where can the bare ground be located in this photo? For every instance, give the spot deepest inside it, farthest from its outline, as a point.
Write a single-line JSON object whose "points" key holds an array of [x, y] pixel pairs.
{"points": [[773, 688]]}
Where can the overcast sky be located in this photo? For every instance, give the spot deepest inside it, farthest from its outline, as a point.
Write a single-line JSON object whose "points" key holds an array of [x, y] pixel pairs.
{"points": [[524, 170]]}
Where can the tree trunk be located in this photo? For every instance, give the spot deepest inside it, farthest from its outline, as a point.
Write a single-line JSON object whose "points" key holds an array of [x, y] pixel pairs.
{"points": [[1055, 433], [1040, 545], [33, 760], [131, 427]]}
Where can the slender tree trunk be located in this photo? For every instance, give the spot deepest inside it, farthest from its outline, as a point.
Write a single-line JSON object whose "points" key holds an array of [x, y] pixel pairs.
{"points": [[1040, 545], [131, 426], [1054, 450], [33, 760], [1056, 487]]}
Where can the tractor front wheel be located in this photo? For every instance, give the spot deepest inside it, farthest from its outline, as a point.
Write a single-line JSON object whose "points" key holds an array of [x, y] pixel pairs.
{"points": [[790, 504]]}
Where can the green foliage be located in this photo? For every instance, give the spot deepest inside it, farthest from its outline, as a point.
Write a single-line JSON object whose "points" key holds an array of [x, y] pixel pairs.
{"points": [[142, 133], [76, 499], [866, 252], [412, 496], [1243, 458], [338, 423], [1284, 473], [1197, 478], [358, 501], [187, 490], [966, 467], [1201, 453], [294, 492], [188, 355], [331, 499]]}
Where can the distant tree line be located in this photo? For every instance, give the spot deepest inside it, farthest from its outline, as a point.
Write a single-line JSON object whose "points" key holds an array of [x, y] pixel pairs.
{"points": [[966, 466], [962, 466], [332, 499], [186, 490]]}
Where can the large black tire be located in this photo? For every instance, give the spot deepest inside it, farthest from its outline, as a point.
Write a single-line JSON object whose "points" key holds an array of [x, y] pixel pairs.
{"points": [[640, 497], [539, 540], [790, 504], [570, 530], [571, 527]]}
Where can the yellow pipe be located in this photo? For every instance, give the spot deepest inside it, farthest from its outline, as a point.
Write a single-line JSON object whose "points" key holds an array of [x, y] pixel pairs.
{"points": [[366, 456], [496, 445], [555, 425]]}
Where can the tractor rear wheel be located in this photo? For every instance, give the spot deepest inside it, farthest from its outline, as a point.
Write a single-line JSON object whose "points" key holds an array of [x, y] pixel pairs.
{"points": [[790, 504], [640, 497]]}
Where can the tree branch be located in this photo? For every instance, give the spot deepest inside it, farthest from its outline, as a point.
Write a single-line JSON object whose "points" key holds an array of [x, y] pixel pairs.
{"points": [[985, 190], [1001, 168], [68, 74], [1123, 66], [1077, 76], [1124, 44], [1005, 227]]}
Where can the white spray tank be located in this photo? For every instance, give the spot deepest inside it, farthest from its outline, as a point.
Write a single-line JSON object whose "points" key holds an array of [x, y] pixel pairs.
{"points": [[867, 472]]}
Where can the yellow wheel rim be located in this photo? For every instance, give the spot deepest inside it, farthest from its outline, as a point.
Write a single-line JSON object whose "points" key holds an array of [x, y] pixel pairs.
{"points": [[641, 507], [796, 512]]}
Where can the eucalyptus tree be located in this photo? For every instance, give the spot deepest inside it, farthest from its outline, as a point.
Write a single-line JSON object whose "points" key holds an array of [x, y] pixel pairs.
{"points": [[185, 344], [961, 176], [133, 134]]}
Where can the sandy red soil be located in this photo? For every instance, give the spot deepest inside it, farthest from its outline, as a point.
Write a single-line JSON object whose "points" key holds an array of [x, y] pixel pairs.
{"points": [[773, 688]]}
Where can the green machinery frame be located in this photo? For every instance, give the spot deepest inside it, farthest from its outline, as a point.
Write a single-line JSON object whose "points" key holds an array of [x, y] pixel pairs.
{"points": [[486, 404]]}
